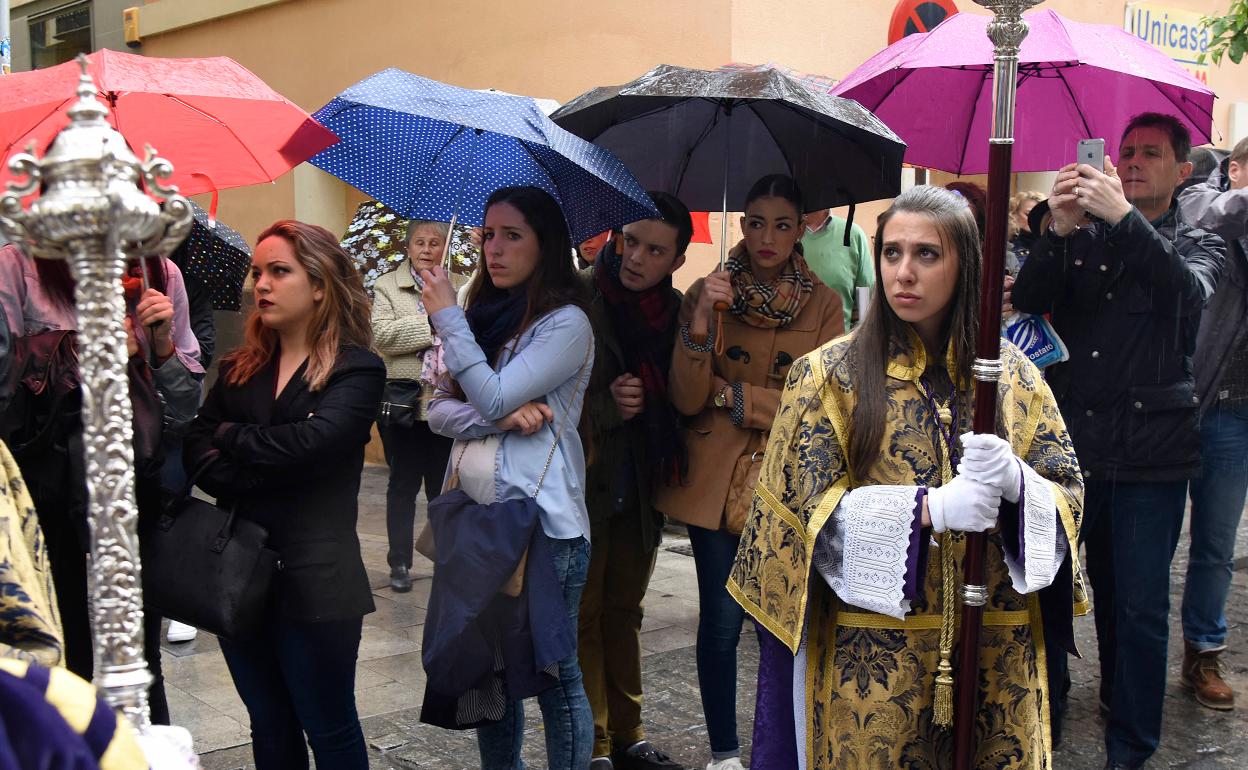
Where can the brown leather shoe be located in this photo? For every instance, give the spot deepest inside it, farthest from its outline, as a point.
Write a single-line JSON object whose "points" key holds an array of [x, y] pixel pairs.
{"points": [[1203, 676]]}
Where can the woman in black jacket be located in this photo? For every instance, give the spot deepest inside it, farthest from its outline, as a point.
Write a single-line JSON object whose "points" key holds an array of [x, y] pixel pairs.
{"points": [[285, 428]]}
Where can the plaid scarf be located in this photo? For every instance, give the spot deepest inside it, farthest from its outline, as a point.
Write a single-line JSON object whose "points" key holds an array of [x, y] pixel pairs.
{"points": [[768, 305], [645, 325]]}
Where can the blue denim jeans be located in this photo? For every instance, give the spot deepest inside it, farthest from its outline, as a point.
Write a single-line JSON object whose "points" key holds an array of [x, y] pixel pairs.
{"points": [[1131, 531], [1217, 503], [566, 716], [298, 678], [719, 630]]}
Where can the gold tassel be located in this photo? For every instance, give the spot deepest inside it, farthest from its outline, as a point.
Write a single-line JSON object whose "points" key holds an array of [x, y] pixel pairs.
{"points": [[942, 704], [942, 701]]}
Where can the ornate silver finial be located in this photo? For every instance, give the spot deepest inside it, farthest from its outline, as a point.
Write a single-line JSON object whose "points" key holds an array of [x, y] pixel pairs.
{"points": [[1007, 28], [88, 107], [95, 210]]}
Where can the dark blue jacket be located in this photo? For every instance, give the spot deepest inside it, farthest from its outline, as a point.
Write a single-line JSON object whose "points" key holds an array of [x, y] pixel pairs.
{"points": [[478, 548], [1127, 299]]}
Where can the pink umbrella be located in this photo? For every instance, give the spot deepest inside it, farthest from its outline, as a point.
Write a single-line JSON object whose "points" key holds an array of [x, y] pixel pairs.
{"points": [[217, 123], [1075, 81]]}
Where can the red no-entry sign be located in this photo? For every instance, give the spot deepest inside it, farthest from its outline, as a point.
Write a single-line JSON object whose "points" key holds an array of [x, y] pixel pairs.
{"points": [[912, 16]]}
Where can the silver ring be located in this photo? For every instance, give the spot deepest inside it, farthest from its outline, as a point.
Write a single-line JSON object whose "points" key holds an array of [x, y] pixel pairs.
{"points": [[1078, 191]]}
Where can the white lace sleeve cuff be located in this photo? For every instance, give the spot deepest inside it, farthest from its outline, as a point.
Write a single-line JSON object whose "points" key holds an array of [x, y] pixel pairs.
{"points": [[864, 552], [1033, 562]]}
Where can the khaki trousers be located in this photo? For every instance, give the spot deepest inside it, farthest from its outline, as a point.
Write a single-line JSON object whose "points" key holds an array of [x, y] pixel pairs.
{"points": [[609, 640]]}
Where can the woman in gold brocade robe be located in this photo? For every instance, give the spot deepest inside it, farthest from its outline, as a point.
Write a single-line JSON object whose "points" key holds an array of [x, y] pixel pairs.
{"points": [[856, 535]]}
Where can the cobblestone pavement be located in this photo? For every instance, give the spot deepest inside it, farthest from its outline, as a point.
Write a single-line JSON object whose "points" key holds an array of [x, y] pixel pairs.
{"points": [[390, 679]]}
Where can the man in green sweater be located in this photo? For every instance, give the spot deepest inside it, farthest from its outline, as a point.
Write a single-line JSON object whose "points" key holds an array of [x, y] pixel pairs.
{"points": [[843, 268], [632, 441]]}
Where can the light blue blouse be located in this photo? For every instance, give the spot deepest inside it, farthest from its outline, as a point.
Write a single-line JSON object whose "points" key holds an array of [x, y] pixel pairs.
{"points": [[546, 366]]}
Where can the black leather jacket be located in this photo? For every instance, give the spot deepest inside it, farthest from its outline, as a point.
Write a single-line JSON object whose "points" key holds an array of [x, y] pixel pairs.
{"points": [[1127, 301]]}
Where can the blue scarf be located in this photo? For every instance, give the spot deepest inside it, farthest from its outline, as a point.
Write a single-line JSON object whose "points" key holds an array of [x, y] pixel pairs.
{"points": [[494, 322]]}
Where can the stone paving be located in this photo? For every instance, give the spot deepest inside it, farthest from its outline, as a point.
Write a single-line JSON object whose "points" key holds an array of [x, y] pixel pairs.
{"points": [[390, 679]]}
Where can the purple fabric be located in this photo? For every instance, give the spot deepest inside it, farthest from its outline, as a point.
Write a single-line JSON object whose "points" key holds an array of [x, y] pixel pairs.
{"points": [[916, 553], [935, 90], [775, 735]]}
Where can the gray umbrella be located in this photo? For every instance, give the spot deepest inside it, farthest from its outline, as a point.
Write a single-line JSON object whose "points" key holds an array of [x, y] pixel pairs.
{"points": [[705, 137]]}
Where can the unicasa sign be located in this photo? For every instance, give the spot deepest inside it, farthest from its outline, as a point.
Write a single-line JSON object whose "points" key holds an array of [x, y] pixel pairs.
{"points": [[1176, 31]]}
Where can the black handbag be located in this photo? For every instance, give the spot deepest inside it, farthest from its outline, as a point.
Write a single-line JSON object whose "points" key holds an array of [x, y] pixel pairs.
{"points": [[206, 567], [400, 404]]}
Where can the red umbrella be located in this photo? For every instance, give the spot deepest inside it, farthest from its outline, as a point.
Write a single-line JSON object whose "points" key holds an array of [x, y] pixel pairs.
{"points": [[217, 123], [701, 227]]}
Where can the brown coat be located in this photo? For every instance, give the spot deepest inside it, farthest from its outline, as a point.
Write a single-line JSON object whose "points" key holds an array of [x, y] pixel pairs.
{"points": [[714, 443]]}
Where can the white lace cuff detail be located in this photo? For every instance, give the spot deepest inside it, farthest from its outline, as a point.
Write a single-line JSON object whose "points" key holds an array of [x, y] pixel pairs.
{"points": [[862, 555], [1043, 544]]}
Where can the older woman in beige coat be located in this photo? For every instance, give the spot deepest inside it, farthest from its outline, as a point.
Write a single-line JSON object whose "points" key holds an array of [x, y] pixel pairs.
{"points": [[411, 350], [730, 389]]}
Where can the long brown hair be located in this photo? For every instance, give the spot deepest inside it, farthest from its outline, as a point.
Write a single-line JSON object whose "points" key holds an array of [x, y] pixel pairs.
{"points": [[341, 317], [881, 328]]}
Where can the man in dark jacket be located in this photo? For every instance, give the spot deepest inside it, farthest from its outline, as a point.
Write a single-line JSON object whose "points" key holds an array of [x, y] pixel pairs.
{"points": [[1219, 204], [632, 440], [1126, 290]]}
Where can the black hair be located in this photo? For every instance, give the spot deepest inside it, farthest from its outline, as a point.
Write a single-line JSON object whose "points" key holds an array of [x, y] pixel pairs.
{"points": [[1180, 137], [673, 212], [777, 186]]}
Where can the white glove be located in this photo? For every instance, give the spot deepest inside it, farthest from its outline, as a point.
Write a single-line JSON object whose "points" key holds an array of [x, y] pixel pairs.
{"points": [[990, 459], [963, 505]]}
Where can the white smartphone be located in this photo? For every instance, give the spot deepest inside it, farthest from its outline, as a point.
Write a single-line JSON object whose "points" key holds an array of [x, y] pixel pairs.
{"points": [[1092, 152]]}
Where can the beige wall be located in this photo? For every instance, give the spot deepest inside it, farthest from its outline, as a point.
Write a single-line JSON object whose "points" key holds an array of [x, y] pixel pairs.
{"points": [[309, 50]]}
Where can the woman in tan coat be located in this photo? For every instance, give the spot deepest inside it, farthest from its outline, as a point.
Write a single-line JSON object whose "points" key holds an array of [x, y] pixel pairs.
{"points": [[409, 345], [730, 388]]}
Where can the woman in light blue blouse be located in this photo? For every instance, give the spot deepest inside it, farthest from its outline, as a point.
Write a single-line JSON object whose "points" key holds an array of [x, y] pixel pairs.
{"points": [[516, 357]]}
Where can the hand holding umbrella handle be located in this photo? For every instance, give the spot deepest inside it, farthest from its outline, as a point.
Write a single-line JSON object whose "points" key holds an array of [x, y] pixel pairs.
{"points": [[720, 308]]}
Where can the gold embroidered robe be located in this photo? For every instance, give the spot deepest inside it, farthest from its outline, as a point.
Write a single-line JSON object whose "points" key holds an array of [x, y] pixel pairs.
{"points": [[870, 677], [30, 623]]}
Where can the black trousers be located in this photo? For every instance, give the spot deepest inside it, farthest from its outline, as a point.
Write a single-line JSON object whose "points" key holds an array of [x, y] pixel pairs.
{"points": [[68, 561], [416, 456]]}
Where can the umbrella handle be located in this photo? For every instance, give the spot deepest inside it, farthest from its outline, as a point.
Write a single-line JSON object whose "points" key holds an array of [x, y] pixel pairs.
{"points": [[150, 330], [719, 329], [446, 247]]}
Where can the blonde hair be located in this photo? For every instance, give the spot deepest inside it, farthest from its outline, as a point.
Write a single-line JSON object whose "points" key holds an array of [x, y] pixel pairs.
{"points": [[1016, 205], [342, 317]]}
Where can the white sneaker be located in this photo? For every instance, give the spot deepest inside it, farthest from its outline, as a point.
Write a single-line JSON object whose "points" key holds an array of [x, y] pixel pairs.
{"points": [[731, 763], [181, 632]]}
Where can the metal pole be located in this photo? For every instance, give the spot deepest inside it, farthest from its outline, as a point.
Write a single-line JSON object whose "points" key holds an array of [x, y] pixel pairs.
{"points": [[1007, 30], [6, 43]]}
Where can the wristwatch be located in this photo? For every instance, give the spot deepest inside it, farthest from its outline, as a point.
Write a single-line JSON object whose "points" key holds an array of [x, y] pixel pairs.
{"points": [[721, 398]]}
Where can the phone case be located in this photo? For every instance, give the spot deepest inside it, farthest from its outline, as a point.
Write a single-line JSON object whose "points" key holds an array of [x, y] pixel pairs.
{"points": [[1092, 152]]}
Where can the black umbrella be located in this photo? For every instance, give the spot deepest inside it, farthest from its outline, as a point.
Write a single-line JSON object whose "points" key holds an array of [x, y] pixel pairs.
{"points": [[216, 256], [705, 137]]}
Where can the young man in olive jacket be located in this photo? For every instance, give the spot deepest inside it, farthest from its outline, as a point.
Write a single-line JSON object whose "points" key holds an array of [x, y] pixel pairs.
{"points": [[1126, 288], [632, 440]]}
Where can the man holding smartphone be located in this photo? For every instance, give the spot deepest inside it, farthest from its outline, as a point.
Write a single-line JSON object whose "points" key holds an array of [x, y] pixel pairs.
{"points": [[1125, 279]]}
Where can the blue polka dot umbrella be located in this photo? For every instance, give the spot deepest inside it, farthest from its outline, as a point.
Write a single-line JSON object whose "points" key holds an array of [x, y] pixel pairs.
{"points": [[429, 150], [217, 257]]}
